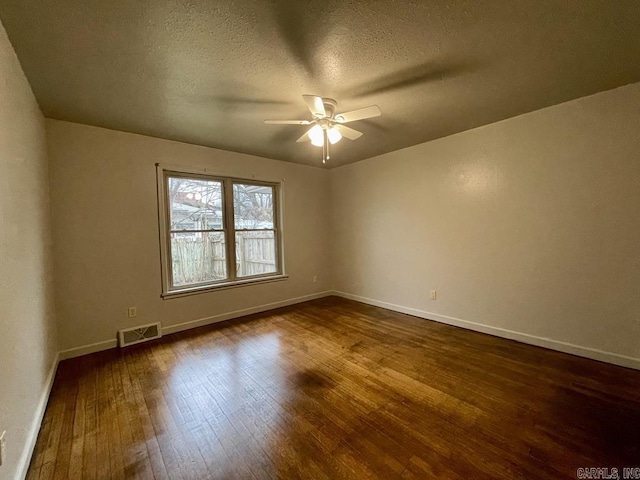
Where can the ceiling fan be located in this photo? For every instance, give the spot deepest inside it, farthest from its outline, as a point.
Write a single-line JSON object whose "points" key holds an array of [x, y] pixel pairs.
{"points": [[327, 125]]}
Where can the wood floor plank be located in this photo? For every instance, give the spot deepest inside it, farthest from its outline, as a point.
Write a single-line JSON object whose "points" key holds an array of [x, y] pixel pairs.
{"points": [[336, 389]]}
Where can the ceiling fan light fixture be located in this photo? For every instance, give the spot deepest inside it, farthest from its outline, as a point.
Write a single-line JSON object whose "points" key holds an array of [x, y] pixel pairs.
{"points": [[327, 127], [334, 135], [316, 135]]}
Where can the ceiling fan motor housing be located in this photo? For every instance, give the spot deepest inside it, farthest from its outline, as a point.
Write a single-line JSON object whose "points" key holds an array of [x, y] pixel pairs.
{"points": [[330, 106]]}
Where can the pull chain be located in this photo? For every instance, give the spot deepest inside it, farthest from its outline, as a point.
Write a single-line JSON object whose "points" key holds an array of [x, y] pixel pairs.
{"points": [[325, 147]]}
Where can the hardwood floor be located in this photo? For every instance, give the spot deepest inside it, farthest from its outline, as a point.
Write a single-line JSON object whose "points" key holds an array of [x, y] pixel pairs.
{"points": [[336, 389]]}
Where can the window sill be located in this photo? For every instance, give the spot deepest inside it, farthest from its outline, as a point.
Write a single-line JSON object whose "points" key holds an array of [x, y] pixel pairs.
{"points": [[183, 292]]}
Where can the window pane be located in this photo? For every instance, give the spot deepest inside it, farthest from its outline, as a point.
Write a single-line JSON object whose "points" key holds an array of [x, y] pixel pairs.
{"points": [[198, 257], [195, 204], [252, 206], [255, 253]]}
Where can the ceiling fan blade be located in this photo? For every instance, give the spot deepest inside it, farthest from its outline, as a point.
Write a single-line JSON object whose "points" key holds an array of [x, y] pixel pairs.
{"points": [[287, 122], [316, 107], [360, 114], [305, 137], [348, 132]]}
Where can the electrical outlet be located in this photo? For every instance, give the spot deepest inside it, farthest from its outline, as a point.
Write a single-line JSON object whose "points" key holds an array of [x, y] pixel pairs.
{"points": [[2, 448], [133, 312], [433, 294], [314, 279]]}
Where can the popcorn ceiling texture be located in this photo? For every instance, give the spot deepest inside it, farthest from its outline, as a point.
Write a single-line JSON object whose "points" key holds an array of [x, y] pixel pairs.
{"points": [[208, 73]]}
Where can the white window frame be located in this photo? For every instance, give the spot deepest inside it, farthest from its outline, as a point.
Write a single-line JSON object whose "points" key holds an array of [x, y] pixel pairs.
{"points": [[164, 172]]}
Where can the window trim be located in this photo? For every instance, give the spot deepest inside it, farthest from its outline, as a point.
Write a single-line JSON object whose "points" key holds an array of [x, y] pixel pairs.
{"points": [[228, 229]]}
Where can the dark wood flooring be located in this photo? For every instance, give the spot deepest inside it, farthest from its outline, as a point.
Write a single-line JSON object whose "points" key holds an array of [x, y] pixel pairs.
{"points": [[336, 389]]}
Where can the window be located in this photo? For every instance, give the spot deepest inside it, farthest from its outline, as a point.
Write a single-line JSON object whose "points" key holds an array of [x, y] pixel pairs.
{"points": [[217, 231]]}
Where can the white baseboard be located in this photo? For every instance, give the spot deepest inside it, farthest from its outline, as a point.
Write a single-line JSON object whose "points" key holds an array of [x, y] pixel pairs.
{"points": [[241, 313], [587, 352], [87, 349], [34, 429], [200, 322]]}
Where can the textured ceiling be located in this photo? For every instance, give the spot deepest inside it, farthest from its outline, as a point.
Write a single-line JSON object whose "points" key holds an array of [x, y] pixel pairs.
{"points": [[209, 72]]}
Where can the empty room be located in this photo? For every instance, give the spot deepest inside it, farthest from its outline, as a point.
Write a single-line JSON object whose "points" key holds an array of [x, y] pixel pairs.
{"points": [[319, 240]]}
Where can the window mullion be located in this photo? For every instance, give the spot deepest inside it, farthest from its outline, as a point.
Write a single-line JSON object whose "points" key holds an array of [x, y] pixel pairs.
{"points": [[230, 229]]}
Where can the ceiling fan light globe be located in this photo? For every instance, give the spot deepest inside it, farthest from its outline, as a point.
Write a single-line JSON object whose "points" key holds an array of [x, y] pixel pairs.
{"points": [[316, 135], [334, 135]]}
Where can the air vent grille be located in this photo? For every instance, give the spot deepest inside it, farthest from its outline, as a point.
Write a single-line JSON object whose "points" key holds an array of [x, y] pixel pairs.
{"points": [[139, 334]]}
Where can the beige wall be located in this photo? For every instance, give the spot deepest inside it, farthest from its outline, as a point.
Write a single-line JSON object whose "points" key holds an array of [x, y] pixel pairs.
{"points": [[105, 226], [531, 225], [27, 322]]}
